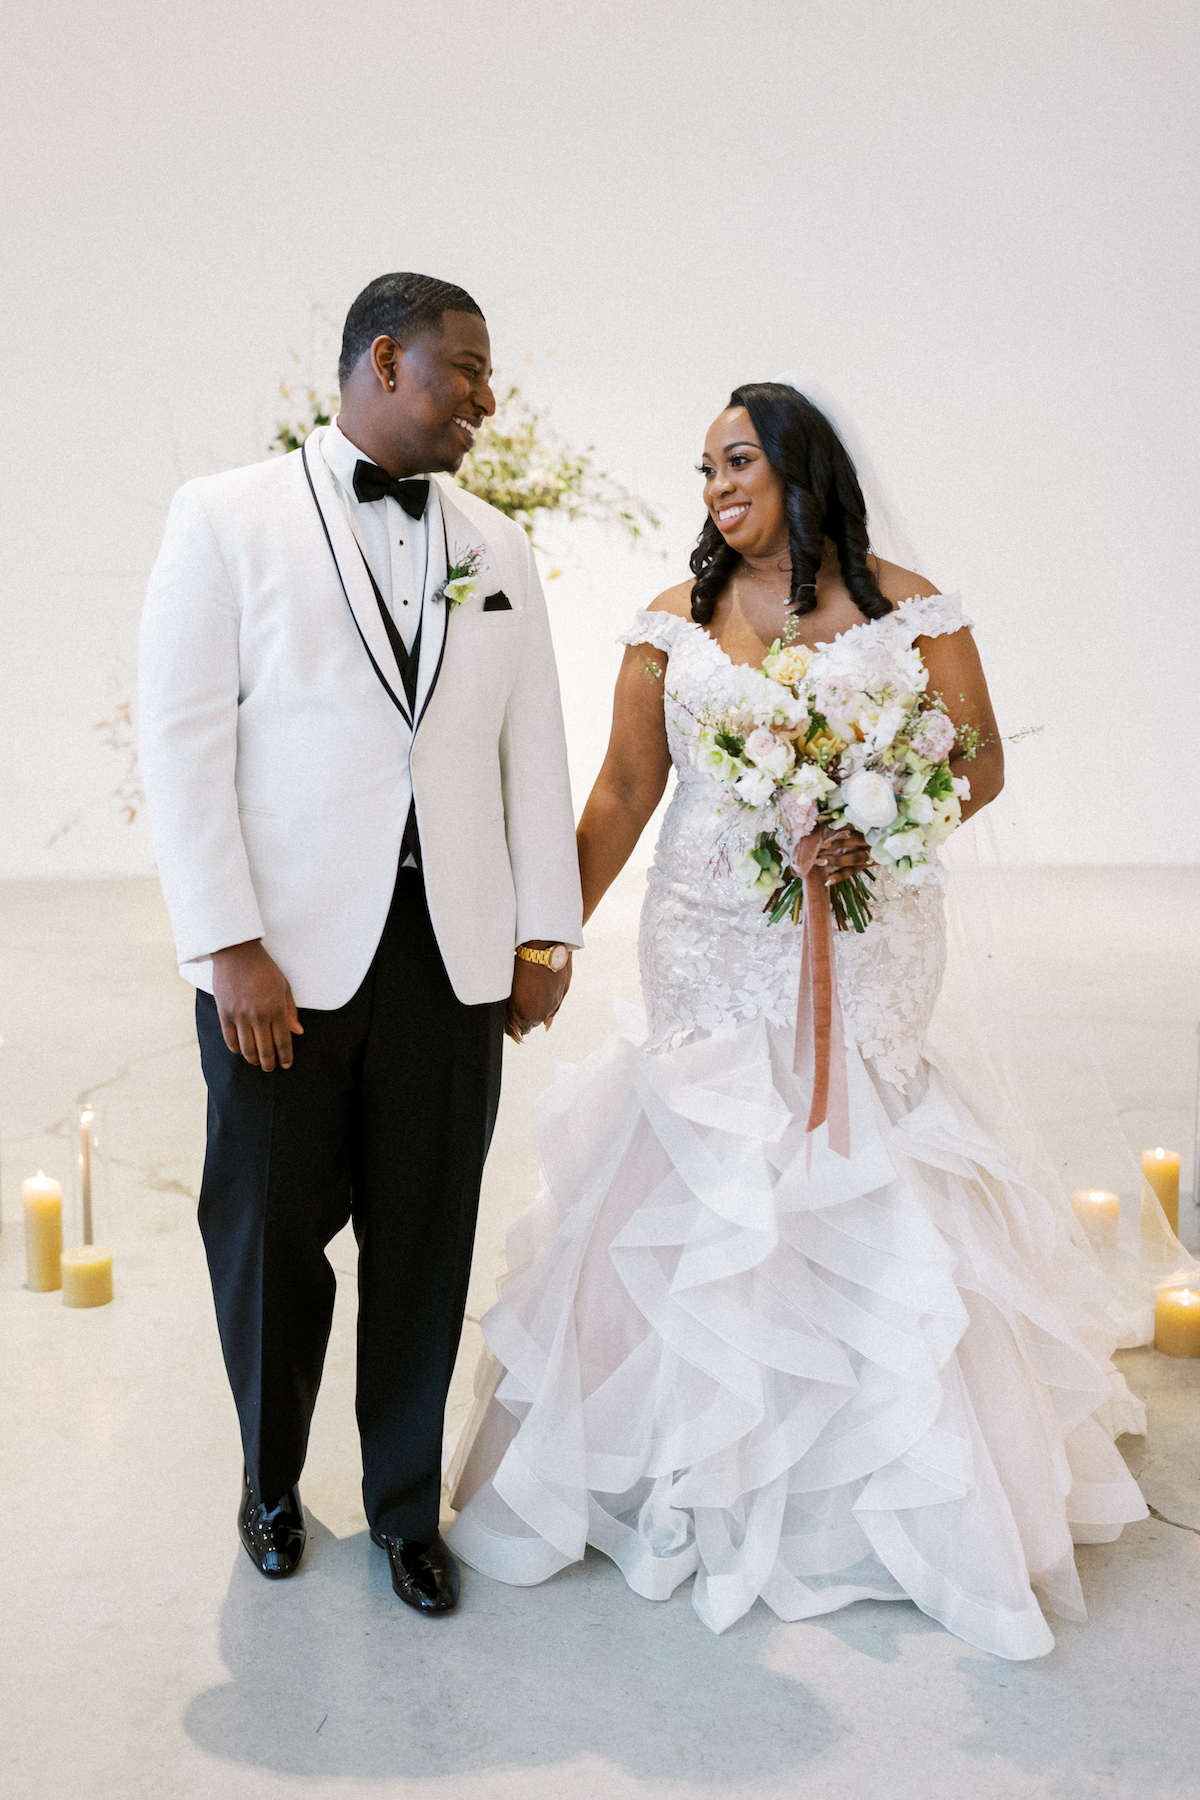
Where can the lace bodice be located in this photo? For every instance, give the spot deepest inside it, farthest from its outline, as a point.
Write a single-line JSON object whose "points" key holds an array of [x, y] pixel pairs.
{"points": [[708, 956]]}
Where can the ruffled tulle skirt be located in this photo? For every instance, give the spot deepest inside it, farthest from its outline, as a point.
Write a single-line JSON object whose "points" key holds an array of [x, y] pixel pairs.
{"points": [[723, 1351]]}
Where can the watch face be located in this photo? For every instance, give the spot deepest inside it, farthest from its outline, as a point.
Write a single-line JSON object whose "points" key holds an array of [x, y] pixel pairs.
{"points": [[558, 957]]}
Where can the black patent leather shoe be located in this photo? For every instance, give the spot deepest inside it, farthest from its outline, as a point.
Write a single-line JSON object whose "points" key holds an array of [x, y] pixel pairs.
{"points": [[274, 1536], [425, 1576]]}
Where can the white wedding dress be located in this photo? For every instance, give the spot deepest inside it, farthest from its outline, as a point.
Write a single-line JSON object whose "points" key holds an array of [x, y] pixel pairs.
{"points": [[725, 1352]]}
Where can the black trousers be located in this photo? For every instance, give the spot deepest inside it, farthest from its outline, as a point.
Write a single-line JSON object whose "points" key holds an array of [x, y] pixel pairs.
{"points": [[385, 1117]]}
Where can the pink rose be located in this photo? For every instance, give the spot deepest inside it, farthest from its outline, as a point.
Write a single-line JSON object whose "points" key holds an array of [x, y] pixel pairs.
{"points": [[796, 816], [766, 751], [934, 736]]}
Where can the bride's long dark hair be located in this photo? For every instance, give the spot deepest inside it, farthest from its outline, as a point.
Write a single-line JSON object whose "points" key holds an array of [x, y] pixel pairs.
{"points": [[821, 496]]}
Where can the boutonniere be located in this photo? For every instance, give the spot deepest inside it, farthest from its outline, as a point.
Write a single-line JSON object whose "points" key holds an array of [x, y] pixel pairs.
{"points": [[462, 579]]}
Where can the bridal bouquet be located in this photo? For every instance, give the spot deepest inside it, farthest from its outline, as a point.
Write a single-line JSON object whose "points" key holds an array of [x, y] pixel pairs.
{"points": [[850, 739]]}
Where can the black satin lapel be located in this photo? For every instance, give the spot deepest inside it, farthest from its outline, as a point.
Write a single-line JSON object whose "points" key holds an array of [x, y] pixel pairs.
{"points": [[446, 624], [398, 704]]}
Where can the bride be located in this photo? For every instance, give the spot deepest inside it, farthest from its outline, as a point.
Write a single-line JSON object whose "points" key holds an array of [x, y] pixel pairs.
{"points": [[723, 1349]]}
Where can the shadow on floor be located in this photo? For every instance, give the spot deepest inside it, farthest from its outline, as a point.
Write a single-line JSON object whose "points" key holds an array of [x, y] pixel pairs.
{"points": [[332, 1675]]}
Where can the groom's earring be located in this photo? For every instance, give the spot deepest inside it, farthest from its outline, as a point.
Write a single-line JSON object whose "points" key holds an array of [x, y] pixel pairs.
{"points": [[391, 384]]}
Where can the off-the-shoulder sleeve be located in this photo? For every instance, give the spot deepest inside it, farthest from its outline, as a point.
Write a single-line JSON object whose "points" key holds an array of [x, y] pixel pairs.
{"points": [[658, 628], [933, 615]]}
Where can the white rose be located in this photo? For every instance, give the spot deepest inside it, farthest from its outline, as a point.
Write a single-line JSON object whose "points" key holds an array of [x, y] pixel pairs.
{"points": [[868, 800], [755, 787], [766, 751]]}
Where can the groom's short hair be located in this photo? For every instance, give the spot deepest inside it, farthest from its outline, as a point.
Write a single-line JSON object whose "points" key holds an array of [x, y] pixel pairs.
{"points": [[400, 307]]}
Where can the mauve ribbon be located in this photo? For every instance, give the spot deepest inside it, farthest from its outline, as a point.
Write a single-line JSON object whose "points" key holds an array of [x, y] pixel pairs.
{"points": [[820, 1040]]}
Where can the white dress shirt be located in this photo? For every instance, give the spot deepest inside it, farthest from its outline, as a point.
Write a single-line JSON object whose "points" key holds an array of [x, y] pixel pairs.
{"points": [[395, 546]]}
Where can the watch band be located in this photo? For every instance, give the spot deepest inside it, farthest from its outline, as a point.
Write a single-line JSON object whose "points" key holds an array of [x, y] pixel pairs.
{"points": [[555, 957]]}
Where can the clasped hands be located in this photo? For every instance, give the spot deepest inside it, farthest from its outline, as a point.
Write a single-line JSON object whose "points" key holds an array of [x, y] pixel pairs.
{"points": [[258, 1014], [537, 993]]}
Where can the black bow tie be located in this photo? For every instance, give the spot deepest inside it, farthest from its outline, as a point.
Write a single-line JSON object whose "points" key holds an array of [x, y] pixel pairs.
{"points": [[373, 483]]}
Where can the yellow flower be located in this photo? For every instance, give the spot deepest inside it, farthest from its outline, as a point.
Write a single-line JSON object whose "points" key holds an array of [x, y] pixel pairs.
{"points": [[822, 745], [790, 665]]}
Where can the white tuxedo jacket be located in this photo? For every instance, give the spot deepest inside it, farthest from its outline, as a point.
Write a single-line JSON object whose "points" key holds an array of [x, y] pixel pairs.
{"points": [[278, 768]]}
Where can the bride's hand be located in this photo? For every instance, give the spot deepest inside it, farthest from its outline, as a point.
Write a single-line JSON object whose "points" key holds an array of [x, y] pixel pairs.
{"points": [[843, 854]]}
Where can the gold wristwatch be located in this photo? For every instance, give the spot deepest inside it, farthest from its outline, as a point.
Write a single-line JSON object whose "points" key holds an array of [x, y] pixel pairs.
{"points": [[556, 957]]}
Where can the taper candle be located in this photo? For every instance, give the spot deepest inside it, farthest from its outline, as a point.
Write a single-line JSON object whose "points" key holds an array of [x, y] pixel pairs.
{"points": [[85, 1170], [1177, 1322], [43, 1233], [1161, 1169], [87, 1276]]}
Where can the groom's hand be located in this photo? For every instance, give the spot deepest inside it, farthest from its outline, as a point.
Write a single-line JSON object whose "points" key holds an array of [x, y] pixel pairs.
{"points": [[255, 1005], [537, 993]]}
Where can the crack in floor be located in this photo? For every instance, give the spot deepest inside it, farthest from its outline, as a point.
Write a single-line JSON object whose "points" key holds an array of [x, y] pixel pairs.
{"points": [[68, 1125]]}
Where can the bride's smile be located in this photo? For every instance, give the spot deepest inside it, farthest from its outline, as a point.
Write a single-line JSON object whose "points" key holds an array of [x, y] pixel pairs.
{"points": [[742, 492]]}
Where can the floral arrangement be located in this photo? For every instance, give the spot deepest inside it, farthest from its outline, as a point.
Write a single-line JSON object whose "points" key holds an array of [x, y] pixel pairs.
{"points": [[852, 739], [523, 469]]}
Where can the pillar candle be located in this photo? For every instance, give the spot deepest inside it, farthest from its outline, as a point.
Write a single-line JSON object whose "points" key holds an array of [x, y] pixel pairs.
{"points": [[1161, 1169], [43, 1233], [1097, 1210], [87, 1276], [1095, 1203], [1177, 1322]]}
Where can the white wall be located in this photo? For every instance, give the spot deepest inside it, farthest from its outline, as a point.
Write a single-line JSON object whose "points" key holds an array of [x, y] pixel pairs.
{"points": [[974, 221]]}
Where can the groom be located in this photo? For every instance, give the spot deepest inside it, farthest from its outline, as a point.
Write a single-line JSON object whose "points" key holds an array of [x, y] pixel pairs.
{"points": [[358, 791]]}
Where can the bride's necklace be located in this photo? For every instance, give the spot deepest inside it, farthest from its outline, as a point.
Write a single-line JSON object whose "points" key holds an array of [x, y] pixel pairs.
{"points": [[764, 582], [775, 585]]}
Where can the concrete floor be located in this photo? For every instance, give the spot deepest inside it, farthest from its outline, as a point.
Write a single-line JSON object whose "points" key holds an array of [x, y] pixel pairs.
{"points": [[142, 1654]]}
